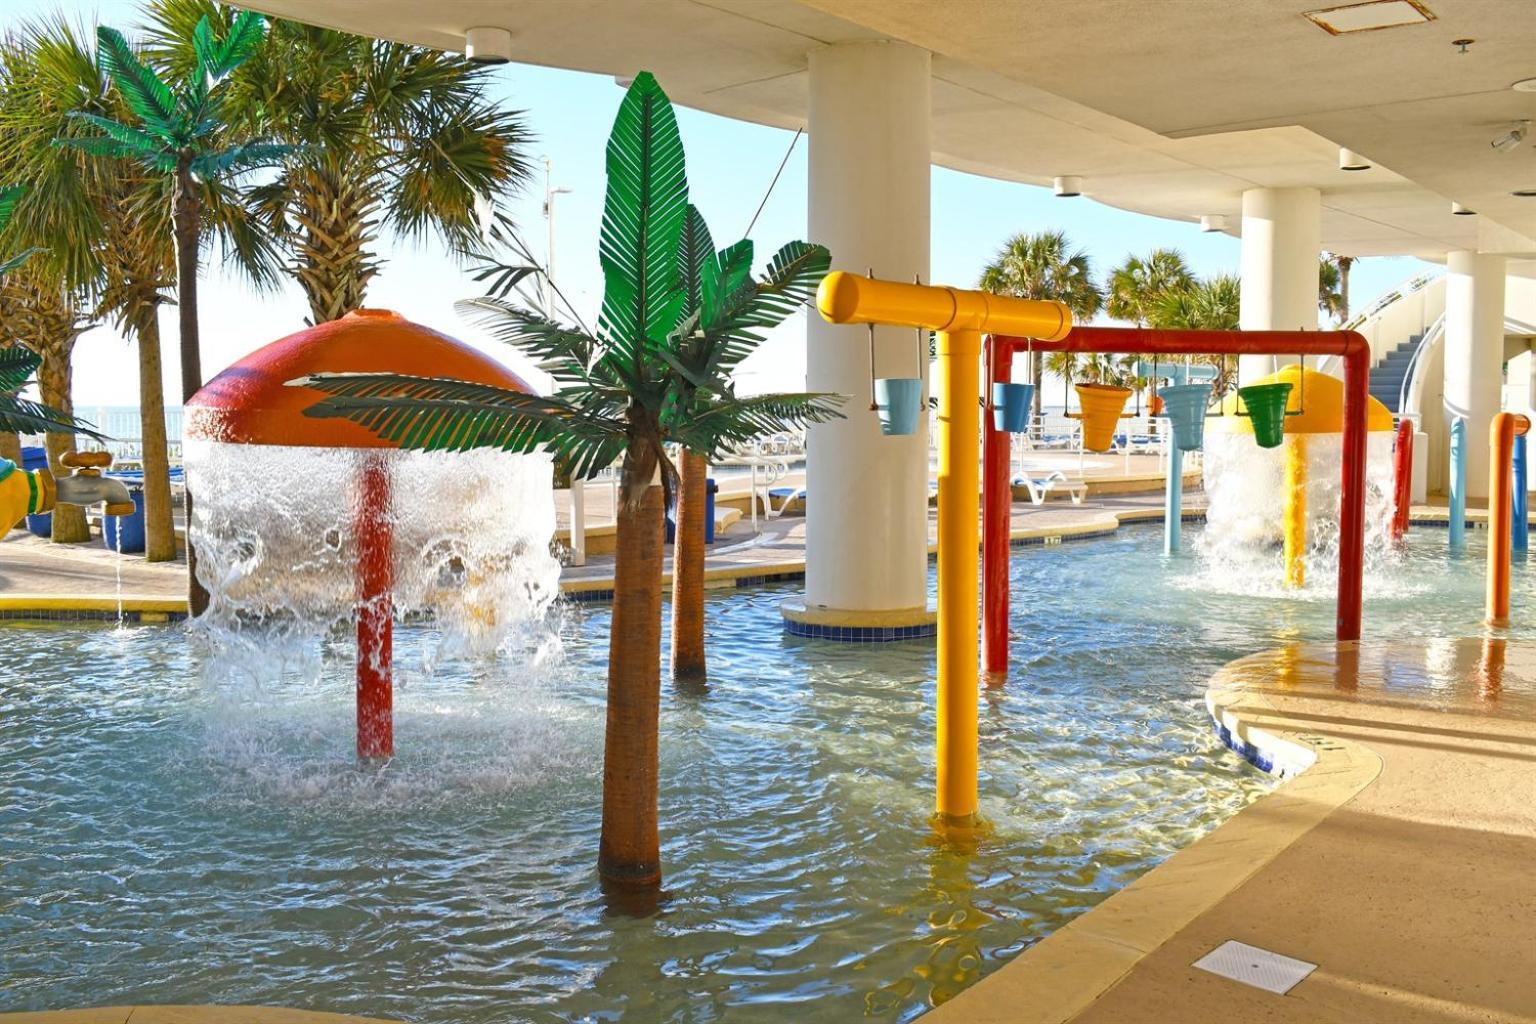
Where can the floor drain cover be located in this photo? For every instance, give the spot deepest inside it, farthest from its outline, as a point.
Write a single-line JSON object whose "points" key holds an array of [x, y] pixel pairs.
{"points": [[1254, 966]]}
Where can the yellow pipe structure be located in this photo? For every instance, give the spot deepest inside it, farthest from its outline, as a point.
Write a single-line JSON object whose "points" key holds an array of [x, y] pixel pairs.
{"points": [[960, 317], [1296, 511], [1501, 445]]}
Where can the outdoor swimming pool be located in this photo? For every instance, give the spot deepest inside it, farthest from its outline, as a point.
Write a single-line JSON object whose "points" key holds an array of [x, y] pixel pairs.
{"points": [[170, 838]]}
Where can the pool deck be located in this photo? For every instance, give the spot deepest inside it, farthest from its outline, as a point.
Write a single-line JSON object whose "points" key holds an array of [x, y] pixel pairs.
{"points": [[54, 580], [1396, 858]]}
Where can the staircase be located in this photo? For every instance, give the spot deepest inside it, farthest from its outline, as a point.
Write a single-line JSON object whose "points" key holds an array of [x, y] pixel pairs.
{"points": [[1387, 375]]}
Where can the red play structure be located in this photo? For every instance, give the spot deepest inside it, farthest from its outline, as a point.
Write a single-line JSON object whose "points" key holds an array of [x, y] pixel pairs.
{"points": [[997, 494]]}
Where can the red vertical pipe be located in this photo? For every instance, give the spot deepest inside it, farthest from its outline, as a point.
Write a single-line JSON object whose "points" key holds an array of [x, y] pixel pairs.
{"points": [[1402, 478], [1357, 372], [375, 613], [996, 505]]}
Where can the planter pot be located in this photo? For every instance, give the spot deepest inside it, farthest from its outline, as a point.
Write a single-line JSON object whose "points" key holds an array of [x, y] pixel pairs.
{"points": [[899, 401], [1185, 406], [1266, 408], [1102, 405], [1011, 406]]}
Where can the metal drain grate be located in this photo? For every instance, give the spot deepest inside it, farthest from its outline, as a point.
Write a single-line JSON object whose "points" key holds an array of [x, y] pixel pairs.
{"points": [[1251, 965]]}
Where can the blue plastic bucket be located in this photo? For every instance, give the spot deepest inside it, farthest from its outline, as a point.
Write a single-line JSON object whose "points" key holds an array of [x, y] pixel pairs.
{"points": [[33, 458], [899, 400], [127, 531], [1011, 406], [1185, 405]]}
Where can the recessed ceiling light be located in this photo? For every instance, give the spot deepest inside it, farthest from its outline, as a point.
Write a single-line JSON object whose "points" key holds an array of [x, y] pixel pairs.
{"points": [[1524, 193], [488, 45], [1462, 211], [1067, 186], [1212, 222], [1349, 160], [1368, 17]]}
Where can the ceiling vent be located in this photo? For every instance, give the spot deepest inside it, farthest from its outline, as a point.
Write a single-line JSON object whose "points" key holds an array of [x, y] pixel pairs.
{"points": [[1368, 17]]}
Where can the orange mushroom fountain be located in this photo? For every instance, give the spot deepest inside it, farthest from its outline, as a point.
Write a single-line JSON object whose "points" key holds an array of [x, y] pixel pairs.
{"points": [[322, 493]]}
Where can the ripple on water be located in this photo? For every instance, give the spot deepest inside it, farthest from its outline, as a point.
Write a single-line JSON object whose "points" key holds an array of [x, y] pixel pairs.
{"points": [[168, 835]]}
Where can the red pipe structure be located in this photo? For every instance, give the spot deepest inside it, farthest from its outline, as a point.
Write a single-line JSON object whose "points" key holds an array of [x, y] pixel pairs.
{"points": [[375, 613], [1351, 346], [1402, 479], [996, 507]]}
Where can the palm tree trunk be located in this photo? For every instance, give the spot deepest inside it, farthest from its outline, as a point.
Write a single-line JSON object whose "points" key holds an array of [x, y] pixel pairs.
{"points": [[187, 216], [629, 853], [336, 214], [159, 526], [1345, 262], [10, 446], [53, 383], [1037, 374], [688, 663]]}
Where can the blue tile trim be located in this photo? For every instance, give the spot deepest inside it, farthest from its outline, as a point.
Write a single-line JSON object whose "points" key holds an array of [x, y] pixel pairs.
{"points": [[87, 615], [860, 634], [1247, 751]]}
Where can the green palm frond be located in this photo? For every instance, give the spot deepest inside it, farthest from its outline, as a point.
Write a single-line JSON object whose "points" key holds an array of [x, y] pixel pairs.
{"points": [[643, 215], [16, 368], [732, 420], [731, 272], [23, 416], [246, 156], [563, 352], [136, 139], [150, 99], [695, 253], [756, 307], [114, 150], [10, 195]]}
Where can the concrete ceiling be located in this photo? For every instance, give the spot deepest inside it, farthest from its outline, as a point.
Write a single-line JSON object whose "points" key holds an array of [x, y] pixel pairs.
{"points": [[1166, 107]]}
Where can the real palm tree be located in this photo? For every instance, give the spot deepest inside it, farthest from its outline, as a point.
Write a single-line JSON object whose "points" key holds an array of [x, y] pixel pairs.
{"points": [[1330, 294], [106, 221], [1044, 266], [1211, 304], [1135, 286], [179, 130], [389, 137], [1344, 264], [657, 371], [1063, 365]]}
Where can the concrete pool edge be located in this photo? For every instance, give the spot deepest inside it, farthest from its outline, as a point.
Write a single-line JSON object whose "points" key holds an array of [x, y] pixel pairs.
{"points": [[1067, 971]]}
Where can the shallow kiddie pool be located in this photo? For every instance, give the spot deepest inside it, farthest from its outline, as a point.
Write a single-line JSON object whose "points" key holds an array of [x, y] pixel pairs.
{"points": [[174, 834]]}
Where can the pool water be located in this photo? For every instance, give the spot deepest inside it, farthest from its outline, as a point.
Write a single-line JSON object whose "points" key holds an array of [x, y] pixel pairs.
{"points": [[172, 833]]}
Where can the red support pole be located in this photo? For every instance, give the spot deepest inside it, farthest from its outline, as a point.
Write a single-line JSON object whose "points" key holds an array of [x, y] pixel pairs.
{"points": [[375, 613], [1357, 397], [996, 506], [1402, 479]]}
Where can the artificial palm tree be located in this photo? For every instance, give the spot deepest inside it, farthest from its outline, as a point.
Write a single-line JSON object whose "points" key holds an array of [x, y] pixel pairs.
{"points": [[1135, 286], [677, 319], [178, 128], [1044, 266], [390, 137], [104, 222]]}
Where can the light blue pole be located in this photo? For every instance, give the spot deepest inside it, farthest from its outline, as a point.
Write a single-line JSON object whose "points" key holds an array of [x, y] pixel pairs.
{"points": [[1458, 510], [1173, 507], [1520, 533]]}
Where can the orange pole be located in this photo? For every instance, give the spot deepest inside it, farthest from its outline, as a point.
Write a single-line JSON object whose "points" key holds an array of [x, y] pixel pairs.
{"points": [[1501, 445]]}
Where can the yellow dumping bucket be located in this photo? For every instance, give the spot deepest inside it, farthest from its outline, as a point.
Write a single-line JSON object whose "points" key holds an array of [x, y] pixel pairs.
{"points": [[1102, 405]]}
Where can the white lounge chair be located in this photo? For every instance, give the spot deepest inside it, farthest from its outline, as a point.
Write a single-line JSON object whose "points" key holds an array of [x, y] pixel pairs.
{"points": [[1040, 487]]}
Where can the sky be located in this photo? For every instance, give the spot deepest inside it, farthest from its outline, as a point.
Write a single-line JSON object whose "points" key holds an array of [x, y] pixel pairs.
{"points": [[730, 166]]}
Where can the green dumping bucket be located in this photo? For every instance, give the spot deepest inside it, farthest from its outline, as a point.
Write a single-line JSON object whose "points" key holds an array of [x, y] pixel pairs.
{"points": [[1266, 407], [1184, 405], [899, 400], [1011, 406]]}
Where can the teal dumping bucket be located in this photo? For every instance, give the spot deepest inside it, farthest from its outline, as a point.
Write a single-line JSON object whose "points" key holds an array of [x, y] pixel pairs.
{"points": [[1011, 406], [1184, 405], [899, 400]]}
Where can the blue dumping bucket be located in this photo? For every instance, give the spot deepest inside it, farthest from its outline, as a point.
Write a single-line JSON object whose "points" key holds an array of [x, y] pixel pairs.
{"points": [[899, 400], [34, 458], [1011, 406], [126, 533], [1185, 405]]}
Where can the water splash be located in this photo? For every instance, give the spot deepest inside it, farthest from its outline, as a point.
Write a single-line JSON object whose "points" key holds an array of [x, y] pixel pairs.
{"points": [[277, 550]]}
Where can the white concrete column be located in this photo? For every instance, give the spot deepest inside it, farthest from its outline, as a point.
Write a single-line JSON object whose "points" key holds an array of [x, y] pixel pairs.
{"points": [[1282, 240], [867, 501], [1474, 353]]}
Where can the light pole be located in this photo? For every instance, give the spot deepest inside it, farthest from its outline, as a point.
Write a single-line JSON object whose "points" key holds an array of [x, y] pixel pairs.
{"points": [[578, 527]]}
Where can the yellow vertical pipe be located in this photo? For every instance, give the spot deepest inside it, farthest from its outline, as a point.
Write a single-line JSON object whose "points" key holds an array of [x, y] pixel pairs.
{"points": [[1501, 444], [959, 574], [1296, 511]]}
